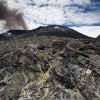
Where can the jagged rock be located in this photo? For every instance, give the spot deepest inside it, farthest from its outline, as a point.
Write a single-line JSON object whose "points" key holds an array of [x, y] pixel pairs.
{"points": [[63, 69], [41, 47]]}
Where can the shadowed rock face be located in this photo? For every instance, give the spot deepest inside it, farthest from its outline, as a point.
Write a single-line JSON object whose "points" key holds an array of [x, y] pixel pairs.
{"points": [[98, 37], [67, 69], [53, 30]]}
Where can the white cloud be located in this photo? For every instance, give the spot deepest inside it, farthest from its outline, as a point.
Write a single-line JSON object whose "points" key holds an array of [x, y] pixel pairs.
{"points": [[60, 2], [92, 31], [77, 16], [59, 15], [57, 12], [52, 2], [82, 2]]}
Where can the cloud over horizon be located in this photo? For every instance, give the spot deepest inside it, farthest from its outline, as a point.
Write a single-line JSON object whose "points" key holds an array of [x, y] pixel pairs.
{"points": [[81, 15]]}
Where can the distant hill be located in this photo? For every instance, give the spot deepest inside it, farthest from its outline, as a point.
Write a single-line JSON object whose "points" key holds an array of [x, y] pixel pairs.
{"points": [[52, 30]]}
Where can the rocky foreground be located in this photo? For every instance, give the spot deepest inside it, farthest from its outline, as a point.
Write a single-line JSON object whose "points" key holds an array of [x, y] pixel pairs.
{"points": [[61, 69]]}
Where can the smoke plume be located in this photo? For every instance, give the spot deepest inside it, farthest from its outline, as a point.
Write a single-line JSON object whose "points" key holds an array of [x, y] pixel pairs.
{"points": [[13, 18]]}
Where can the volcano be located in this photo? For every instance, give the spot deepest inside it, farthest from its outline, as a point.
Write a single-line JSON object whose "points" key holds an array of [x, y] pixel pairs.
{"points": [[52, 30]]}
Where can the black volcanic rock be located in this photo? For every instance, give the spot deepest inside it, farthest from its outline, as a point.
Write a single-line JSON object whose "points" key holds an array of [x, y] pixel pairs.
{"points": [[53, 30], [13, 34], [56, 69]]}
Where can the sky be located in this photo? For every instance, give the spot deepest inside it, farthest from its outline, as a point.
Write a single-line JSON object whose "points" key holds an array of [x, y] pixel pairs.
{"points": [[80, 15]]}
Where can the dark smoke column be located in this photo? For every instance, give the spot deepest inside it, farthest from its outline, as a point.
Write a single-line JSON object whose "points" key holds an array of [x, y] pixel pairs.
{"points": [[19, 16], [13, 17]]}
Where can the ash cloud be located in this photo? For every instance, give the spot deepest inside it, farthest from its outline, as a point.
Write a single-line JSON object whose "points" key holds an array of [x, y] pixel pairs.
{"points": [[12, 18]]}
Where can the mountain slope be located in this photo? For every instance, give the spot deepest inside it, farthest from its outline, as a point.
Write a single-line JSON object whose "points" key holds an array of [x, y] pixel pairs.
{"points": [[50, 68], [53, 30]]}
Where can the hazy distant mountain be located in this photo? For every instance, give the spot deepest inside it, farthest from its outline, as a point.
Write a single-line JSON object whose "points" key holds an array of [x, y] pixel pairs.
{"points": [[98, 37], [53, 30]]}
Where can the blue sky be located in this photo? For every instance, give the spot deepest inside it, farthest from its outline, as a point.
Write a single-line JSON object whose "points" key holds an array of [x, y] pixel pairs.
{"points": [[81, 15]]}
